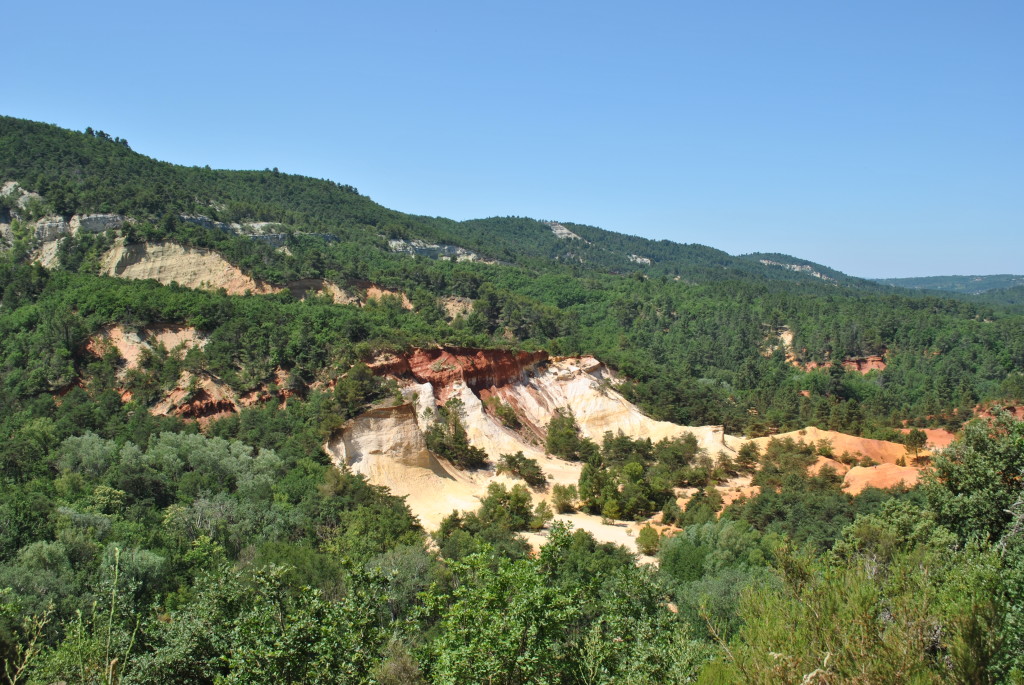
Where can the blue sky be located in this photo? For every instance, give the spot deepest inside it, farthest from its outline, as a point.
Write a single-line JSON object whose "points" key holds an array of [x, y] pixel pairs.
{"points": [[879, 138]]}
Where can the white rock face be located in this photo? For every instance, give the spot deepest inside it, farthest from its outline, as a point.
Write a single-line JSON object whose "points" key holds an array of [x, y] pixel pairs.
{"points": [[190, 267], [204, 221], [46, 254], [387, 446], [382, 437], [583, 386], [95, 223], [257, 227], [424, 249], [805, 268], [486, 433], [562, 232], [639, 260], [24, 196], [307, 287], [50, 228]]}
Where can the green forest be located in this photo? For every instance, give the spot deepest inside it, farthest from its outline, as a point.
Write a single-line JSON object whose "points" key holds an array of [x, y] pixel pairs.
{"points": [[143, 549]]}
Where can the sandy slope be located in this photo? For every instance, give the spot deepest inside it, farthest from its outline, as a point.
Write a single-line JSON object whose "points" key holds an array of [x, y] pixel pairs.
{"points": [[585, 386], [190, 267], [387, 444]]}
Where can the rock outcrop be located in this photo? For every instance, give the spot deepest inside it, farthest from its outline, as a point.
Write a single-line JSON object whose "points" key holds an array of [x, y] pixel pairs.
{"points": [[562, 232], [585, 386], [95, 223], [420, 248], [191, 267], [442, 367], [50, 228], [197, 398], [881, 476], [23, 198], [865, 364], [386, 445], [308, 287], [131, 344], [455, 306], [372, 291]]}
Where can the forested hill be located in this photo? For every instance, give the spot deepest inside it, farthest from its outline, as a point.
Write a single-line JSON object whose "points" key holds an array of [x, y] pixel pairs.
{"points": [[93, 172], [704, 337], [180, 346], [969, 285]]}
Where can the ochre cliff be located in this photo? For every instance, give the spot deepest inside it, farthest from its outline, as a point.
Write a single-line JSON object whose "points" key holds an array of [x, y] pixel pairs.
{"points": [[444, 366]]}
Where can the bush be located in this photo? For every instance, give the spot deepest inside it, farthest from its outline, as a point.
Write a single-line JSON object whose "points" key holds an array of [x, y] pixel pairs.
{"points": [[505, 413], [541, 515], [648, 541], [520, 465], [564, 497]]}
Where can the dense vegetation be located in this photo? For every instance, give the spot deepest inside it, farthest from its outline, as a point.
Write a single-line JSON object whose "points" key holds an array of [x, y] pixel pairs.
{"points": [[971, 285], [136, 548]]}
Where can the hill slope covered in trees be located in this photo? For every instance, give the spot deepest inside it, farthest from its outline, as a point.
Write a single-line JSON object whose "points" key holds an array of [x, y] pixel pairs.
{"points": [[173, 517]]}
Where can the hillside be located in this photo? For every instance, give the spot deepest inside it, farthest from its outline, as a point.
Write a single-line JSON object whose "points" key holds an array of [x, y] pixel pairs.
{"points": [[969, 285], [93, 173], [258, 428]]}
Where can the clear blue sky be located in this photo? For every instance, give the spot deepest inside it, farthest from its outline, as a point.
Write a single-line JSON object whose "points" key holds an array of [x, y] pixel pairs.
{"points": [[879, 138]]}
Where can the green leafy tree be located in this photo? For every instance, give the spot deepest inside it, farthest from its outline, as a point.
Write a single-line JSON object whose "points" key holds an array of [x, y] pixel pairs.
{"points": [[447, 438], [499, 625], [563, 439], [915, 440], [563, 498], [648, 541], [520, 465]]}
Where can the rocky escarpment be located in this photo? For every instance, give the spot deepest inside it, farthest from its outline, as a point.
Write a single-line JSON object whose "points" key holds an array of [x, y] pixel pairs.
{"points": [[191, 267], [131, 344], [562, 232], [307, 287], [197, 397], [442, 367], [95, 223], [387, 446], [420, 248], [800, 268], [782, 339]]}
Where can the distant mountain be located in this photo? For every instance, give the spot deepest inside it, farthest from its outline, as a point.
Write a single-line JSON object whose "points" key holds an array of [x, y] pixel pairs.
{"points": [[969, 285]]}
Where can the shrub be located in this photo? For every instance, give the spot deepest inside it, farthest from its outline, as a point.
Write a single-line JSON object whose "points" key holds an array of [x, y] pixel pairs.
{"points": [[520, 465], [564, 497], [648, 541]]}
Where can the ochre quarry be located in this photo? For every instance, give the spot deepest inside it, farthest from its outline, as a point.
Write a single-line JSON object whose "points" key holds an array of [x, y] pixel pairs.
{"points": [[443, 367], [201, 398], [387, 446], [886, 473]]}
